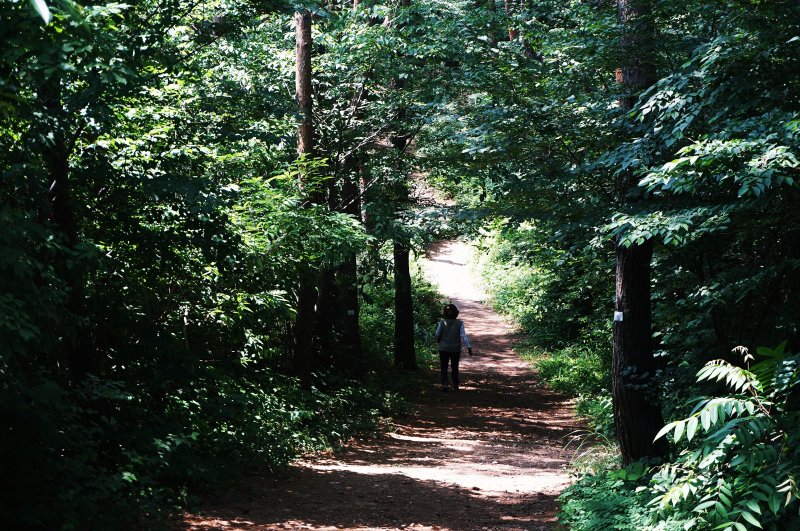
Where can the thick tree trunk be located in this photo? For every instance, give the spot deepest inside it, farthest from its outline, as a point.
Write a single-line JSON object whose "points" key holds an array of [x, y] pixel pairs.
{"points": [[307, 292], [638, 72], [637, 412], [325, 307], [327, 296], [304, 328]]}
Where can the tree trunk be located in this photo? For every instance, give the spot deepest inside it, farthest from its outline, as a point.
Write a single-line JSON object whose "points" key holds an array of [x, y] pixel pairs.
{"points": [[304, 329], [348, 280], [490, 4], [637, 412], [307, 292], [77, 356], [513, 32], [327, 294], [405, 355], [305, 130]]}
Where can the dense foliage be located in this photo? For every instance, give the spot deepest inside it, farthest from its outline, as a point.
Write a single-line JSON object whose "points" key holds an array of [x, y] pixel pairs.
{"points": [[158, 226], [537, 140]]}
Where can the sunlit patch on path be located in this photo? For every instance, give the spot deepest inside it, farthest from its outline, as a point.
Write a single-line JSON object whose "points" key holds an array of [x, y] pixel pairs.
{"points": [[490, 456]]}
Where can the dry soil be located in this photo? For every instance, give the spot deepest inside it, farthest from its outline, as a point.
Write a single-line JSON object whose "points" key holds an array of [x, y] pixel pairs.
{"points": [[489, 456]]}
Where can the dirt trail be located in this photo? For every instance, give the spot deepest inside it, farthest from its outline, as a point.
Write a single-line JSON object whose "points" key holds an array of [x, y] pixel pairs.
{"points": [[489, 456]]}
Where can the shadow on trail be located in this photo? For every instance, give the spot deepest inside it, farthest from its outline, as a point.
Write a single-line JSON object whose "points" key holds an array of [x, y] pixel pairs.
{"points": [[489, 456], [385, 501]]}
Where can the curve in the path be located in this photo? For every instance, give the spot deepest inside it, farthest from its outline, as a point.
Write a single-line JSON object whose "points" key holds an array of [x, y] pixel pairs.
{"points": [[490, 456]]}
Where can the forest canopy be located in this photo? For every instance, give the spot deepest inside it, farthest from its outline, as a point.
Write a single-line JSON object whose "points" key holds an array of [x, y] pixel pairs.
{"points": [[210, 213]]}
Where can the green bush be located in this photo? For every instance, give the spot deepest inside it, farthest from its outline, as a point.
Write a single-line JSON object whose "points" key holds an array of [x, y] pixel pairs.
{"points": [[741, 451], [377, 320], [598, 413], [615, 499], [543, 289], [737, 465], [574, 370]]}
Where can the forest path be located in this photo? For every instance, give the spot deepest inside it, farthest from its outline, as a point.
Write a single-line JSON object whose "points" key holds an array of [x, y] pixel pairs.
{"points": [[489, 456]]}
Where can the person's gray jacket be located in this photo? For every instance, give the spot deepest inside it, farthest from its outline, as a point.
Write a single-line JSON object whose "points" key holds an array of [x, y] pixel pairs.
{"points": [[449, 334]]}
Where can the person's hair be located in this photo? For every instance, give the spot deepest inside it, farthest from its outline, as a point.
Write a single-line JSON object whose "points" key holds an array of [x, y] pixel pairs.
{"points": [[450, 311]]}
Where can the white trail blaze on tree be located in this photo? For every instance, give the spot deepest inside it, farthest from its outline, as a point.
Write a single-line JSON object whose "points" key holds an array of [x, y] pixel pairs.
{"points": [[637, 414]]}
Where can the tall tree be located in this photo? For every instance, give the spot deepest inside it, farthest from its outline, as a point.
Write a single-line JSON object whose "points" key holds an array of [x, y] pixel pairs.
{"points": [[349, 304], [307, 291], [60, 211], [404, 354], [637, 413]]}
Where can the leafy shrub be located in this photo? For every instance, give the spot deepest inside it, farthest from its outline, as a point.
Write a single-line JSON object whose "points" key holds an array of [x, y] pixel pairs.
{"points": [[549, 290], [741, 456], [610, 500], [545, 290], [597, 411], [575, 370], [737, 469]]}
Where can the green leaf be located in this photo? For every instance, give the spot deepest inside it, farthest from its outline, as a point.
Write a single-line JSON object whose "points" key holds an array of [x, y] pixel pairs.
{"points": [[679, 426], [705, 419], [725, 499], [691, 428], [775, 503], [753, 506], [666, 429], [703, 506], [750, 518]]}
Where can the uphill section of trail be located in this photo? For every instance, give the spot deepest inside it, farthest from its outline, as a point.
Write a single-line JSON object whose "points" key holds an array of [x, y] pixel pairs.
{"points": [[489, 456]]}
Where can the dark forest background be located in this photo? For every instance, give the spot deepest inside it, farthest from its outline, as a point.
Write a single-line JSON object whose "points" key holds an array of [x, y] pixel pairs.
{"points": [[209, 230]]}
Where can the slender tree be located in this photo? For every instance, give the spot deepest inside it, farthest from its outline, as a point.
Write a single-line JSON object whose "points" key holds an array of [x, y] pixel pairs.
{"points": [[348, 280], [348, 273], [404, 354], [307, 291], [637, 413], [76, 355]]}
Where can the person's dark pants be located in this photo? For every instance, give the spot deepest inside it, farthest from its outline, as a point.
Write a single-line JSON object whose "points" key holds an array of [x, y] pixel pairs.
{"points": [[453, 358]]}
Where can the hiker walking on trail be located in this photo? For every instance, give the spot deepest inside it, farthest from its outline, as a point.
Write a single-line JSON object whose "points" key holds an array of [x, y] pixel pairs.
{"points": [[449, 334]]}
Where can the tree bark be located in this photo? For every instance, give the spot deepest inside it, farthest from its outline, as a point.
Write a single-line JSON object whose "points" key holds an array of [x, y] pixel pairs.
{"points": [[76, 356], [639, 71], [327, 302], [637, 412], [404, 353], [348, 280], [513, 32], [307, 292], [305, 130], [405, 356]]}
